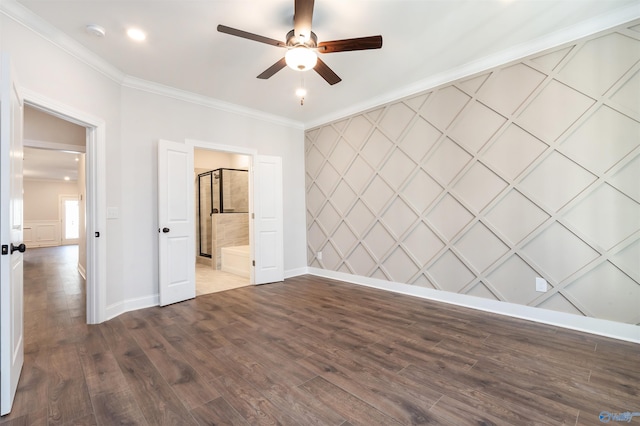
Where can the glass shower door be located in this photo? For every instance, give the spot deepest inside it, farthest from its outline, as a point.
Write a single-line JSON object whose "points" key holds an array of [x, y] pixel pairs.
{"points": [[204, 213]]}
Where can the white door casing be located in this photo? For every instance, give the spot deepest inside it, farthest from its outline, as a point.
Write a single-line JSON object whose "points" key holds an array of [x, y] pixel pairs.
{"points": [[176, 221], [268, 222], [11, 261], [95, 200]]}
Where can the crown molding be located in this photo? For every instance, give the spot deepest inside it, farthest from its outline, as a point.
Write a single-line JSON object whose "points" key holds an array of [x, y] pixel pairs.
{"points": [[621, 16], [183, 95], [28, 19]]}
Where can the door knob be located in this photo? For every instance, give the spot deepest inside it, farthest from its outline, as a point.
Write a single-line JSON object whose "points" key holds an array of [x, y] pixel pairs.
{"points": [[20, 247], [165, 230]]}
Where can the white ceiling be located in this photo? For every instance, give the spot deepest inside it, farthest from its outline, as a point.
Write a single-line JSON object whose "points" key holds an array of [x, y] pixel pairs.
{"points": [[50, 165], [426, 42]]}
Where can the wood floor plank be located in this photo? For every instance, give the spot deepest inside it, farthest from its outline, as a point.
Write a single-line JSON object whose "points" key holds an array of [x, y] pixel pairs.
{"points": [[185, 381], [157, 401], [397, 400], [117, 408], [348, 406], [250, 403], [196, 354], [67, 390], [218, 412], [308, 351], [301, 406]]}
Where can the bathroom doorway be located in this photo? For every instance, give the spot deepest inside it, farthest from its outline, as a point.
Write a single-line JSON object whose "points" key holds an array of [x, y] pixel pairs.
{"points": [[221, 182]]}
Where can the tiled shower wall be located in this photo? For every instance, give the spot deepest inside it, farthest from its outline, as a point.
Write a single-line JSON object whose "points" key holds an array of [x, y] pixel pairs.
{"points": [[528, 170]]}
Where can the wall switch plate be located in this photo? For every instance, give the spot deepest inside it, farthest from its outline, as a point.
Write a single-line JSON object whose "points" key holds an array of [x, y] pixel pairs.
{"points": [[112, 213], [541, 285], [319, 255]]}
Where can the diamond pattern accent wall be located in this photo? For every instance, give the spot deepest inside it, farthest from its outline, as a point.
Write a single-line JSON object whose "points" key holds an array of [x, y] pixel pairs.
{"points": [[527, 170]]}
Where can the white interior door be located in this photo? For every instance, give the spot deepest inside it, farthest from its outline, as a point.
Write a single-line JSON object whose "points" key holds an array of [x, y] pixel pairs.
{"points": [[11, 280], [176, 222], [268, 223]]}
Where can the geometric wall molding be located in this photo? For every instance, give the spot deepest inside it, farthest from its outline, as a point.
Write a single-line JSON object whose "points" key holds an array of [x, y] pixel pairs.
{"points": [[530, 169]]}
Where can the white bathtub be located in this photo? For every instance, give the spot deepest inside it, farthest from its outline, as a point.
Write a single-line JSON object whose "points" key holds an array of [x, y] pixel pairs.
{"points": [[236, 260]]}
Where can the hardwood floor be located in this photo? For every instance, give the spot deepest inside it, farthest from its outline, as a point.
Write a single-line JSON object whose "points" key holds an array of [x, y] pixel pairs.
{"points": [[306, 351]]}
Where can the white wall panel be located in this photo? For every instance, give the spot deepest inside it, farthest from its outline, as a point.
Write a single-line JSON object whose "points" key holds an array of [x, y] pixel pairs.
{"points": [[528, 170]]}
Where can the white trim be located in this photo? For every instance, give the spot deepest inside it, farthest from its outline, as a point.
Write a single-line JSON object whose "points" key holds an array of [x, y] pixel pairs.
{"points": [[615, 330], [549, 41], [296, 272], [30, 20], [27, 18], [129, 305], [95, 199], [207, 102], [55, 146]]}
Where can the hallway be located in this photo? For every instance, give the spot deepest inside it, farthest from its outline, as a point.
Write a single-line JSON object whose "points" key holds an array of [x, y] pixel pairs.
{"points": [[54, 320]]}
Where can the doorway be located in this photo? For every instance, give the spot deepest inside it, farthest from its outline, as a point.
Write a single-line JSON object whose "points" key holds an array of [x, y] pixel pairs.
{"points": [[93, 199], [221, 184], [54, 185]]}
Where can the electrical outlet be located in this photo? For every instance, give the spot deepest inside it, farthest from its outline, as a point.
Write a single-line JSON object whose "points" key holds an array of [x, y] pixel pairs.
{"points": [[541, 285], [319, 255]]}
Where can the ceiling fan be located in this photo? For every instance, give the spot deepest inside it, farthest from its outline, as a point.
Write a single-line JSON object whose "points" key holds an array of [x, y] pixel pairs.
{"points": [[302, 44]]}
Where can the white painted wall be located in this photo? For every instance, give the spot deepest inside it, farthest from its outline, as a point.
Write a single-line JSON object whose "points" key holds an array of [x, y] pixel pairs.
{"points": [[135, 120], [148, 117], [41, 198]]}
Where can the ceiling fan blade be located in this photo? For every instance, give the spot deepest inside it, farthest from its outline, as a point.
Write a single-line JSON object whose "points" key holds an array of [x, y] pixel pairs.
{"points": [[302, 17], [273, 69], [361, 43], [250, 36], [326, 72]]}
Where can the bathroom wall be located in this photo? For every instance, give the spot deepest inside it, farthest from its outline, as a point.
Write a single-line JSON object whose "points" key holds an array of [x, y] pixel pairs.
{"points": [[236, 190], [229, 229], [527, 170]]}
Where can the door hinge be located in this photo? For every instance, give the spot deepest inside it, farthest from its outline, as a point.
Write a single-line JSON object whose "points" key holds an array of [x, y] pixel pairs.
{"points": [[253, 215], [253, 262]]}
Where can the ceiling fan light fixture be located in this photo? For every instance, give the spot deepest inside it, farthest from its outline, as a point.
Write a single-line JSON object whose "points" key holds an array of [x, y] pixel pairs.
{"points": [[301, 58]]}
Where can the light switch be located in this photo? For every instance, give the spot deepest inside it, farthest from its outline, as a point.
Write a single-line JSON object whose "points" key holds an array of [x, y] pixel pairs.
{"points": [[112, 213]]}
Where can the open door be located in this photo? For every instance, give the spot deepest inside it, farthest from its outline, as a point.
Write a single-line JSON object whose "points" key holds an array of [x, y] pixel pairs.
{"points": [[11, 280], [176, 232], [268, 222]]}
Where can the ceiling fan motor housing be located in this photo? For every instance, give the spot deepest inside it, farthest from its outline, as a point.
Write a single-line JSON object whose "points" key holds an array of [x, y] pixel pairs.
{"points": [[292, 40]]}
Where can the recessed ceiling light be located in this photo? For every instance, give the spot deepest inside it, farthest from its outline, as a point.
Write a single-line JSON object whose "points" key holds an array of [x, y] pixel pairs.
{"points": [[67, 178], [96, 30], [136, 34]]}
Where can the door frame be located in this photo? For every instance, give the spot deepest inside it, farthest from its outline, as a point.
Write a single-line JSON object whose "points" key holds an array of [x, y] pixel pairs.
{"points": [[253, 155], [96, 273]]}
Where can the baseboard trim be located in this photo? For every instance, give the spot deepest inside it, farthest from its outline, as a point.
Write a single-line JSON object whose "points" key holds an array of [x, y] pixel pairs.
{"points": [[295, 272], [606, 328], [131, 305]]}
